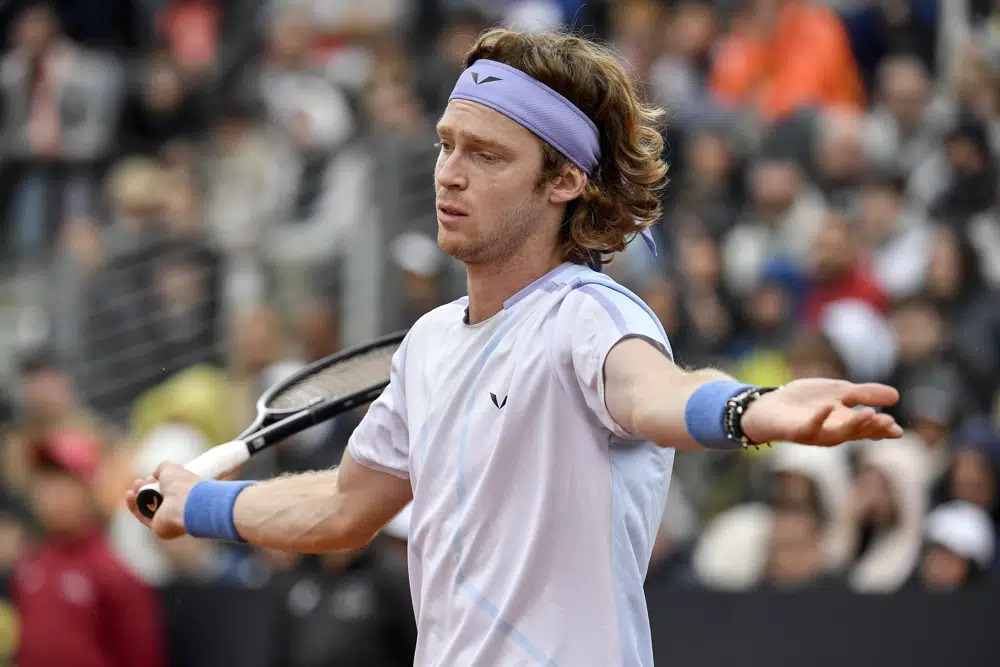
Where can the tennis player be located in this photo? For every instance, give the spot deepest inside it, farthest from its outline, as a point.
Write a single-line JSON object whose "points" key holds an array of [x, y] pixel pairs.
{"points": [[532, 423]]}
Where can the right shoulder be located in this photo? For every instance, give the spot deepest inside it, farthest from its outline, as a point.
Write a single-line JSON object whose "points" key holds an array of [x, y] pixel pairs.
{"points": [[433, 327], [441, 318]]}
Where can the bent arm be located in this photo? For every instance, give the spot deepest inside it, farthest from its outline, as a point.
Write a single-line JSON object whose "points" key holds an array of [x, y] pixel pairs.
{"points": [[333, 510], [647, 394]]}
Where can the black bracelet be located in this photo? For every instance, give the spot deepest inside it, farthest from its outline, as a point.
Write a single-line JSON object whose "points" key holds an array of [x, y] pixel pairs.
{"points": [[735, 409]]}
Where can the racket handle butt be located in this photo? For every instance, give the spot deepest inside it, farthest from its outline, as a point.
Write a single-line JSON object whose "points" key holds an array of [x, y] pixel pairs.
{"points": [[148, 500]]}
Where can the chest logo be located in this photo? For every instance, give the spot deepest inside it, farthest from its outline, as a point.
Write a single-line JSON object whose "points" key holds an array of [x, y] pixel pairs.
{"points": [[497, 403]]}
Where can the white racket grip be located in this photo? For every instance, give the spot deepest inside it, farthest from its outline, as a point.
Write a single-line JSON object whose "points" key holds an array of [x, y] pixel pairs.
{"points": [[216, 462], [220, 460]]}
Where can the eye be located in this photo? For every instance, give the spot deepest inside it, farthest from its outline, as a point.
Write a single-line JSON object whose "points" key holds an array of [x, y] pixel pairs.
{"points": [[487, 157], [443, 145]]}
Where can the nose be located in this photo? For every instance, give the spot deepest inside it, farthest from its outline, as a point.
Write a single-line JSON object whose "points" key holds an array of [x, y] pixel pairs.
{"points": [[449, 174]]}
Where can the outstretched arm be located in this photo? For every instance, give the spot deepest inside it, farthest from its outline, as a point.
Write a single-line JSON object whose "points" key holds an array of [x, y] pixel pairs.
{"points": [[651, 398], [315, 512], [646, 393]]}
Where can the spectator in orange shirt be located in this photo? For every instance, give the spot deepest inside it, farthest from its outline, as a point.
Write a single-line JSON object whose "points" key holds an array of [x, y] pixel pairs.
{"points": [[784, 55]]}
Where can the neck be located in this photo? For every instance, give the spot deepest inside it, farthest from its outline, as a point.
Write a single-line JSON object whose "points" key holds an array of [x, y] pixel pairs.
{"points": [[491, 285]]}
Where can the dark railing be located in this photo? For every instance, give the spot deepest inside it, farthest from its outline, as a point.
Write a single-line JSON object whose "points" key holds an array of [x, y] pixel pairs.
{"points": [[824, 629], [212, 627]]}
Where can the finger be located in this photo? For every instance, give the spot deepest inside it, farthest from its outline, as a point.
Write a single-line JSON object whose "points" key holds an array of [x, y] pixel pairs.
{"points": [[854, 416], [852, 427], [871, 429], [807, 432], [886, 427], [865, 430], [139, 483], [881, 424], [130, 498], [872, 394]]}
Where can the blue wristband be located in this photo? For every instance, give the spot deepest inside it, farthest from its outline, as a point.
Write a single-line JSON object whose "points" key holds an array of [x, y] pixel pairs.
{"points": [[705, 414], [208, 511]]}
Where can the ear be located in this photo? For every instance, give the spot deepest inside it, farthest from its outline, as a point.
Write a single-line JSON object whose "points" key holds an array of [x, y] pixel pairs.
{"points": [[568, 185]]}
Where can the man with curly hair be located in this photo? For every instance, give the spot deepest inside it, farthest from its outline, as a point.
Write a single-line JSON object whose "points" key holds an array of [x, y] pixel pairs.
{"points": [[533, 422]]}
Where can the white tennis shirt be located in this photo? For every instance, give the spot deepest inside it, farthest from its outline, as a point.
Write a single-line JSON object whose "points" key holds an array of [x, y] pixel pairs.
{"points": [[534, 513]]}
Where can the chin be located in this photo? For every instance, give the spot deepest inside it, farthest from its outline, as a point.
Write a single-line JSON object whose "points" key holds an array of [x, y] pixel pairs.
{"points": [[457, 244]]}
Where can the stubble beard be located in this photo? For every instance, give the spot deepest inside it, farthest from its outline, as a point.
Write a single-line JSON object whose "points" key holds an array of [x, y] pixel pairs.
{"points": [[499, 244]]}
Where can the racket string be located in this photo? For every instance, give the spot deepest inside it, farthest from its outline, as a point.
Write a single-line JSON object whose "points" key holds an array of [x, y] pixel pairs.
{"points": [[340, 379]]}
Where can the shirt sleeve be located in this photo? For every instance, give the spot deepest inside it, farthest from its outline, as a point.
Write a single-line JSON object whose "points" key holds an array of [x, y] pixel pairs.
{"points": [[592, 320], [382, 440]]}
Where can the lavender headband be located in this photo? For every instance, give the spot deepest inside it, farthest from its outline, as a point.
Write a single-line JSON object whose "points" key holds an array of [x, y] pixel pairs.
{"points": [[535, 106]]}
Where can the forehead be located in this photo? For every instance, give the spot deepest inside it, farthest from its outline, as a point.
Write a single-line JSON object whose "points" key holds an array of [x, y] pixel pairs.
{"points": [[477, 121]]}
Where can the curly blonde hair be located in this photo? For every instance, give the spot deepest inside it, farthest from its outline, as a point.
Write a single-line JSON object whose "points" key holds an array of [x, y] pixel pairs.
{"points": [[622, 196]]}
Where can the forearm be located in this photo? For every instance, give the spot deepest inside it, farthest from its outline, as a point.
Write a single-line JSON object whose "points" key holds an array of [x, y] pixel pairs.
{"points": [[319, 512], [297, 513], [659, 410]]}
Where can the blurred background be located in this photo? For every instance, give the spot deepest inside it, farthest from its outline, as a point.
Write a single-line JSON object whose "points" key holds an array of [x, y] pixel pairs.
{"points": [[201, 196]]}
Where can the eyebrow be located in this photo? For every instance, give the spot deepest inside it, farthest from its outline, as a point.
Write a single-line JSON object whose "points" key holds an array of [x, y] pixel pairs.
{"points": [[473, 138]]}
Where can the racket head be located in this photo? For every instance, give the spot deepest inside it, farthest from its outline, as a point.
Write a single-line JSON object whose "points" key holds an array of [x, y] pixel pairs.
{"points": [[353, 376]]}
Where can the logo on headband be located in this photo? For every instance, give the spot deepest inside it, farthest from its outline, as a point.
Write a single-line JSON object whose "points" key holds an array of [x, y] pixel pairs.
{"points": [[489, 79]]}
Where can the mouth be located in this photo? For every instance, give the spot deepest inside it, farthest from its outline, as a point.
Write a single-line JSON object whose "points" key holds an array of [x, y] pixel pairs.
{"points": [[449, 213]]}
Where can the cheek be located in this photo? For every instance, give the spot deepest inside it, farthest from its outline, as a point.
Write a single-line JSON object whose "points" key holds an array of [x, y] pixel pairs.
{"points": [[58, 498], [49, 501], [498, 203]]}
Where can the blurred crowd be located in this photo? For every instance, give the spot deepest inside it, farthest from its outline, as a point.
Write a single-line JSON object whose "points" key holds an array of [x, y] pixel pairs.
{"points": [[201, 196]]}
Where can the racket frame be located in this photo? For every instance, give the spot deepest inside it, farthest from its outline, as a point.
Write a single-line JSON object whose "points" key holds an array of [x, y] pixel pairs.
{"points": [[271, 426]]}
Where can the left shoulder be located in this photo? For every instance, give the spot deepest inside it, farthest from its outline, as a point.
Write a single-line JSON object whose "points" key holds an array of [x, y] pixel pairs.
{"points": [[599, 285], [594, 307], [590, 295]]}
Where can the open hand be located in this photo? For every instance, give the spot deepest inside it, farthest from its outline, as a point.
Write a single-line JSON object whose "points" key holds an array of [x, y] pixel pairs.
{"points": [[823, 413]]}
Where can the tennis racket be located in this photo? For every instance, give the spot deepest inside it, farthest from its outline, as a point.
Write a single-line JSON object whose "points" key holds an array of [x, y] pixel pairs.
{"points": [[320, 391]]}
